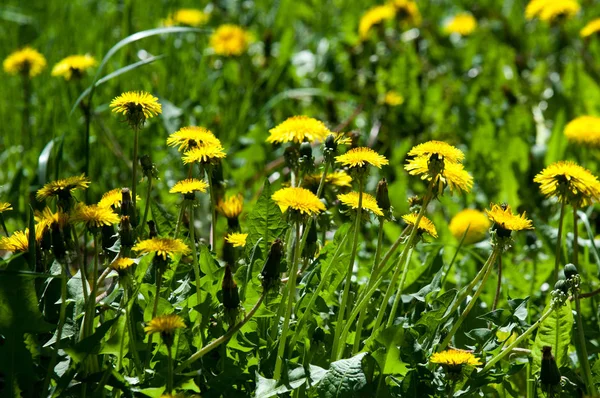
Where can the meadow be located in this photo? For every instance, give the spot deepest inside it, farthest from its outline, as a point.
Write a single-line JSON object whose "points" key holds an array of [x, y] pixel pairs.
{"points": [[300, 198]]}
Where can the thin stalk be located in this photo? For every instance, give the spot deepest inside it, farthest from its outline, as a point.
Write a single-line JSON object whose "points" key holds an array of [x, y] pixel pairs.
{"points": [[498, 285], [179, 218], [585, 364], [213, 211], [154, 311], [122, 343], [195, 254], [136, 132], [147, 207], [391, 318], [87, 114], [169, 369], [215, 343], [91, 310], [291, 288], [575, 238], [460, 244], [310, 220], [342, 310], [3, 224], [25, 127], [559, 240]]}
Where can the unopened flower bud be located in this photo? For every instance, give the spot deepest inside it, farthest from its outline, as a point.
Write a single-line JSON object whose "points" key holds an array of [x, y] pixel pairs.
{"points": [[382, 196], [126, 203], [549, 373], [126, 232], [231, 298], [570, 271], [152, 228], [310, 247], [561, 285], [271, 269]]}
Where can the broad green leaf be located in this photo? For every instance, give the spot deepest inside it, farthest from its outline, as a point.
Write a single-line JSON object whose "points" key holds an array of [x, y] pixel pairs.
{"points": [[344, 378], [164, 220], [388, 356], [562, 318], [91, 344], [297, 377], [265, 221]]}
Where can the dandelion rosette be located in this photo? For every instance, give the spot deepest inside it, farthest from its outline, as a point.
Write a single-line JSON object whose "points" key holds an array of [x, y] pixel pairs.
{"points": [[237, 239], [360, 157], [300, 200], [137, 106], [298, 129], [4, 206], [425, 224], [74, 66], [163, 247], [592, 27], [549, 10], [474, 222], [505, 221], [192, 136], [26, 61], [569, 182], [189, 186], [375, 16], [464, 24], [62, 188], [94, 216], [368, 202], [584, 130], [230, 40], [187, 16]]}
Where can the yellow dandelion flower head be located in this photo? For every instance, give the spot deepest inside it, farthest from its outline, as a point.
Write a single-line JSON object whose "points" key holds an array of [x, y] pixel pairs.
{"points": [[94, 216], [407, 10], [503, 217], [162, 247], [5, 207], [584, 130], [393, 98], [232, 206], [439, 148], [338, 178], [453, 175], [26, 60], [230, 40], [18, 242], [374, 16], [62, 187], [425, 224], [209, 153], [368, 202], [46, 219], [464, 24], [455, 357], [136, 105], [74, 66], [342, 139], [122, 263], [192, 136], [113, 198], [298, 129], [298, 199], [188, 16], [237, 239], [569, 181], [165, 324], [474, 222], [592, 27], [548, 10], [361, 156], [188, 186]]}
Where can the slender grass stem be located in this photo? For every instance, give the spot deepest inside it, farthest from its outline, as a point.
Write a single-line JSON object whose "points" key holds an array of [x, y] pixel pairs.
{"points": [[25, 122], [195, 254], [310, 220], [575, 259], [154, 312], [213, 211], [136, 132], [179, 219], [585, 364], [169, 369], [392, 316], [559, 240], [498, 285], [147, 205], [3, 225]]}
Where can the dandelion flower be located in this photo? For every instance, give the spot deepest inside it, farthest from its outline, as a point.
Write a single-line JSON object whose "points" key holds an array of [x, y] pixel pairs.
{"points": [[592, 27], [441, 149], [368, 202], [231, 207], [425, 224], [298, 199], [298, 129], [474, 222], [94, 216], [374, 16], [393, 98], [162, 247], [62, 188], [46, 219], [5, 207], [407, 10], [237, 239], [361, 156], [205, 154], [230, 40], [189, 186], [569, 182], [113, 198], [339, 178], [166, 326], [505, 221], [548, 10], [137, 106], [192, 136], [453, 174], [464, 24], [26, 60], [18, 242], [73, 66], [187, 16], [584, 130], [455, 358], [122, 263]]}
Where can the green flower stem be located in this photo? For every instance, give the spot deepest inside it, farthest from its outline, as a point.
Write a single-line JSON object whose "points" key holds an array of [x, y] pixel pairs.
{"points": [[148, 200], [291, 288], [122, 343], [213, 211], [447, 272], [392, 316], [154, 311], [488, 269], [181, 210], [498, 285], [585, 364], [575, 259], [25, 126], [343, 307], [91, 308], [559, 240], [3, 224], [136, 132], [195, 254], [215, 343], [104, 275], [169, 369], [518, 341]]}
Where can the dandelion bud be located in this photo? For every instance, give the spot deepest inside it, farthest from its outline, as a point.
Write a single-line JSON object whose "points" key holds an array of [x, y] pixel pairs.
{"points": [[330, 144], [58, 243], [126, 203], [318, 335], [152, 228], [383, 199], [570, 271], [310, 247], [271, 269], [290, 155], [228, 253], [126, 232], [148, 168], [231, 298], [562, 286], [108, 237], [549, 373]]}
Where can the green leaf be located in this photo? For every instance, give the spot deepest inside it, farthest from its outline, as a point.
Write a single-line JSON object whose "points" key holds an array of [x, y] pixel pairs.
{"points": [[163, 219], [265, 221], [92, 344], [296, 378], [562, 318], [344, 378], [43, 162], [388, 356]]}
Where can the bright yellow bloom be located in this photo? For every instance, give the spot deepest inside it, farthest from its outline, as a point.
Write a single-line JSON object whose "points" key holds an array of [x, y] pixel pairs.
{"points": [[165, 324], [232, 206], [341, 139], [62, 187], [454, 358], [392, 98], [237, 239], [442, 149], [569, 182], [17, 242], [298, 199], [26, 60], [187, 16], [463, 24], [298, 129], [407, 9], [113, 198], [592, 27], [368, 202], [453, 175], [162, 247], [548, 10], [46, 219], [474, 222], [503, 217], [122, 263], [339, 178], [191, 137], [361, 156], [375, 16], [188, 186], [584, 130], [230, 40], [425, 224], [5, 207], [73, 66], [94, 216], [204, 154], [136, 105]]}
